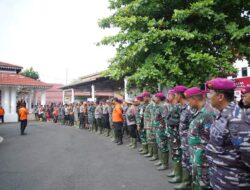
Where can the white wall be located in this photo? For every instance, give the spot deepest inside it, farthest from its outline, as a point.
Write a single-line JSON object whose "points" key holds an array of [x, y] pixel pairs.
{"points": [[9, 103], [239, 64]]}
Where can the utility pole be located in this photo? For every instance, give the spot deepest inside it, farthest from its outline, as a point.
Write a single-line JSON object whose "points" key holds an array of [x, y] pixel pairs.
{"points": [[66, 76], [125, 88]]}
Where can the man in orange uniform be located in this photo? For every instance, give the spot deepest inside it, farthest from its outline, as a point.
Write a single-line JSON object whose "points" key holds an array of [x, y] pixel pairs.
{"points": [[23, 115], [2, 113], [117, 118]]}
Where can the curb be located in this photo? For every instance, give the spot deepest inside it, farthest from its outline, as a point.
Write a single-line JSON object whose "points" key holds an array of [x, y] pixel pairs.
{"points": [[1, 139]]}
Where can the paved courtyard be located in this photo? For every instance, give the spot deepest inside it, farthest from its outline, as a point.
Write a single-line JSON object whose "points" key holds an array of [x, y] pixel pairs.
{"points": [[55, 157]]}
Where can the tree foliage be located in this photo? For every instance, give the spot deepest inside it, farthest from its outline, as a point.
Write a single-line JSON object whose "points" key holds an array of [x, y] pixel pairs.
{"points": [[177, 41], [30, 73]]}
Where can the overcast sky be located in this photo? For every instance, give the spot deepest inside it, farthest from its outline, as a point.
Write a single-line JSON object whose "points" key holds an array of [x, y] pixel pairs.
{"points": [[54, 35]]}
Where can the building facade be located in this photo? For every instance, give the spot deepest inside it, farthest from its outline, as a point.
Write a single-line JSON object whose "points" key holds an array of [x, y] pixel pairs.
{"points": [[92, 87], [15, 87], [53, 94]]}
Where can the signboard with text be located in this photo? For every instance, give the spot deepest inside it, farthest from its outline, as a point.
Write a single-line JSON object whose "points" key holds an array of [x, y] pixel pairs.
{"points": [[241, 82]]}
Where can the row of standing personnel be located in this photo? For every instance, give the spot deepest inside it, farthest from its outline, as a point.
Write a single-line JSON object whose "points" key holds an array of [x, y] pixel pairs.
{"points": [[205, 133]]}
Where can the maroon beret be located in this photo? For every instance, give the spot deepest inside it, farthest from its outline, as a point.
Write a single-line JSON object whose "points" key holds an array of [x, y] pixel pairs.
{"points": [[145, 94], [220, 84], [180, 89], [139, 97], [245, 90], [160, 95], [171, 91], [193, 92]]}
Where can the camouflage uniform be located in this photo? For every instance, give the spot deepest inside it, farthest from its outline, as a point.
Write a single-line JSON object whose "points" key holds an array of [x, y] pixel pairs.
{"points": [[173, 131], [112, 136], [140, 122], [110, 110], [150, 132], [131, 122], [148, 123], [169, 109], [125, 125], [198, 137], [185, 119], [160, 127], [91, 117], [244, 143], [228, 150]]}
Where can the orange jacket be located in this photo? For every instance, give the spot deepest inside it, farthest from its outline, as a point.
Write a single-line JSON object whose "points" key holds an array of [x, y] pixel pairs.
{"points": [[117, 113], [2, 112], [23, 113]]}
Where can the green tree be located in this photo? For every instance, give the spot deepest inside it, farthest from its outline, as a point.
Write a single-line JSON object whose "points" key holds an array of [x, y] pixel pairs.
{"points": [[177, 41], [30, 73]]}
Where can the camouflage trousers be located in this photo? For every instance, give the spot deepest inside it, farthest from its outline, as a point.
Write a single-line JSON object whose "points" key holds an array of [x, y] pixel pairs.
{"points": [[143, 136], [200, 168], [224, 178], [162, 140], [151, 136], [175, 143], [185, 151]]}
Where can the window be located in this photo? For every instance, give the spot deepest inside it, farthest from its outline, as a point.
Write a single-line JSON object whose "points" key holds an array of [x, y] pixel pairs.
{"points": [[244, 71]]}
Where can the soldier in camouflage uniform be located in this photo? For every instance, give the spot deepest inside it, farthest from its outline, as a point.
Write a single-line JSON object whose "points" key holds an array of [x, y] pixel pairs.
{"points": [[170, 104], [160, 112], [140, 126], [105, 118], [110, 110], [198, 136], [148, 125], [185, 118], [125, 130], [113, 134], [130, 117], [229, 145], [245, 149], [91, 116], [175, 141]]}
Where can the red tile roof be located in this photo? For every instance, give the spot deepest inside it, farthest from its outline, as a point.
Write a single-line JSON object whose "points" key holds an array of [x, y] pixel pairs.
{"points": [[12, 79], [55, 87], [4, 65]]}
